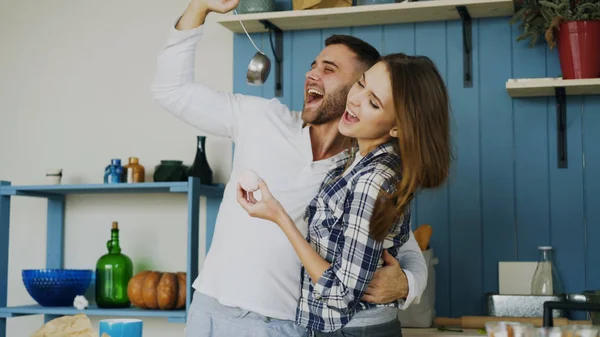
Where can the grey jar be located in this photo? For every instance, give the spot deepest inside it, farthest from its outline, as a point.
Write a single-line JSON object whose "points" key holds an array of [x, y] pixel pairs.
{"points": [[255, 6]]}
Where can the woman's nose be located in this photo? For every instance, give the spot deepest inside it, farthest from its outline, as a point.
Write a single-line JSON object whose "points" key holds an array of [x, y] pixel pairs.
{"points": [[354, 99]]}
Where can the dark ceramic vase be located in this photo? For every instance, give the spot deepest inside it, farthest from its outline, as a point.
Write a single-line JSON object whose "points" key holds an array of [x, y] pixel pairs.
{"points": [[170, 170]]}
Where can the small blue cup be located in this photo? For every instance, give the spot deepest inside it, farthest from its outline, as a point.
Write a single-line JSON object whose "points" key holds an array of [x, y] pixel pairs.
{"points": [[121, 327]]}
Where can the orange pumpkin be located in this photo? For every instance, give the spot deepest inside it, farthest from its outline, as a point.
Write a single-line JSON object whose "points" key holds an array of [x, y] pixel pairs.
{"points": [[157, 290]]}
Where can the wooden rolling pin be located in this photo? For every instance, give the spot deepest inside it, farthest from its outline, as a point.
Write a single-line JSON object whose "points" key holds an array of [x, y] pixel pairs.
{"points": [[478, 322]]}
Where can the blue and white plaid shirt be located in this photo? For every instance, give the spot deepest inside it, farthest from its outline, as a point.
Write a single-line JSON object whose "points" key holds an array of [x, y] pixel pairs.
{"points": [[338, 228]]}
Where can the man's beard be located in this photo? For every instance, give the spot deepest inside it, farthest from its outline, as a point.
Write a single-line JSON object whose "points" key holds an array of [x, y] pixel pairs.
{"points": [[332, 107]]}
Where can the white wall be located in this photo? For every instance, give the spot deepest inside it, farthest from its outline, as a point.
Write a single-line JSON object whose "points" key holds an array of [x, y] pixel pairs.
{"points": [[74, 93]]}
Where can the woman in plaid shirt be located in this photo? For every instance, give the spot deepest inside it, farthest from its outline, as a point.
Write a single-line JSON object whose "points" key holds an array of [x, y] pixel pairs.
{"points": [[399, 106]]}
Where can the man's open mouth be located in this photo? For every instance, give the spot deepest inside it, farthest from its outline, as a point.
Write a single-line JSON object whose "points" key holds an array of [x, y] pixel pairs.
{"points": [[313, 95]]}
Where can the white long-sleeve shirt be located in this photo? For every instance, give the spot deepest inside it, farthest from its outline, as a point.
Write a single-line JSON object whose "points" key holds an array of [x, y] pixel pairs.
{"points": [[251, 264]]}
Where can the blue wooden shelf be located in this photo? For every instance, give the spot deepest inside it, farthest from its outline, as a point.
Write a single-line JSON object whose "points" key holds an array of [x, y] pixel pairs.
{"points": [[150, 187], [174, 316], [55, 230]]}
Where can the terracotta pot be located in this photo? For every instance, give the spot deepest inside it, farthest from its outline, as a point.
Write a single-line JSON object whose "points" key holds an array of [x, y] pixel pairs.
{"points": [[579, 49]]}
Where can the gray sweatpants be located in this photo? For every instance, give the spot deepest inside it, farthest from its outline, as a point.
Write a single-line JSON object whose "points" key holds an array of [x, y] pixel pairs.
{"points": [[209, 318], [390, 329]]}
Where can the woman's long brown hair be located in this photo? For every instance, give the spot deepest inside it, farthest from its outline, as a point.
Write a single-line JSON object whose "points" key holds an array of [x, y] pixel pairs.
{"points": [[422, 111]]}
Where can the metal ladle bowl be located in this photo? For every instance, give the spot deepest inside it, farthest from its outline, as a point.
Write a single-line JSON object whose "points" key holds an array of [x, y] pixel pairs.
{"points": [[259, 66], [258, 69]]}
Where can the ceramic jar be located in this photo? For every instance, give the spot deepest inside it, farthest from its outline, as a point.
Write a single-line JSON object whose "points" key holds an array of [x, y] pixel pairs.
{"points": [[170, 170], [255, 6]]}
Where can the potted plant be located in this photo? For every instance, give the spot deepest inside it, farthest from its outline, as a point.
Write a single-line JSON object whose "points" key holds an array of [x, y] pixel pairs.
{"points": [[573, 25], [533, 24]]}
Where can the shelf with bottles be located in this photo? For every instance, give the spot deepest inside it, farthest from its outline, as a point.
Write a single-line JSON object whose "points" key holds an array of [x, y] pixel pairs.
{"points": [[56, 202], [170, 176]]}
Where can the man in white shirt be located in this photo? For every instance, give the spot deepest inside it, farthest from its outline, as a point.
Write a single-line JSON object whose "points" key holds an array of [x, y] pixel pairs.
{"points": [[250, 282]]}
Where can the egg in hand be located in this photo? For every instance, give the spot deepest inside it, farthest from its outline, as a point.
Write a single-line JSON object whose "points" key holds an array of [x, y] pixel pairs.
{"points": [[249, 180]]}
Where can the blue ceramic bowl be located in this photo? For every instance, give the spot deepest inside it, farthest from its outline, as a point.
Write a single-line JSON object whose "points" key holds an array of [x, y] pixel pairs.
{"points": [[56, 287]]}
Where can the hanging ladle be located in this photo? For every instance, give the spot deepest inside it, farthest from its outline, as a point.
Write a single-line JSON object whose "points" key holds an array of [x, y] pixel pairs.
{"points": [[260, 65]]}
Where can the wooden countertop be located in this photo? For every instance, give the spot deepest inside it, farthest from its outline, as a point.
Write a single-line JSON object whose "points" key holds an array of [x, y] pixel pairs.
{"points": [[434, 332]]}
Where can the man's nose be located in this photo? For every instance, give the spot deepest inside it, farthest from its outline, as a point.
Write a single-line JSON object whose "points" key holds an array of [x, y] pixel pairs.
{"points": [[313, 74]]}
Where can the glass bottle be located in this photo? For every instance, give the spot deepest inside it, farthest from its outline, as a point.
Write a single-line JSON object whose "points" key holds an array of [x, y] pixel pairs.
{"points": [[133, 172], [546, 278], [200, 167], [113, 272], [113, 172]]}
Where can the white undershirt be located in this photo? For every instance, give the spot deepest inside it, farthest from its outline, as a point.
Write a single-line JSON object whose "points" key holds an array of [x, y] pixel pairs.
{"points": [[357, 159], [251, 264]]}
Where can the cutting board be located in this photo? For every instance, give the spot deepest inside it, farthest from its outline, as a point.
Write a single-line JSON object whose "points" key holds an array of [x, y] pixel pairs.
{"points": [[514, 277]]}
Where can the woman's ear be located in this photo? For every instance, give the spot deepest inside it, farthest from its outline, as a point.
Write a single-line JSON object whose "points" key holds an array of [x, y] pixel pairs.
{"points": [[394, 132]]}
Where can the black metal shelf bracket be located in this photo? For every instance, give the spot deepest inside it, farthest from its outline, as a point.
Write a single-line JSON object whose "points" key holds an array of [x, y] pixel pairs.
{"points": [[467, 45], [561, 126], [277, 49]]}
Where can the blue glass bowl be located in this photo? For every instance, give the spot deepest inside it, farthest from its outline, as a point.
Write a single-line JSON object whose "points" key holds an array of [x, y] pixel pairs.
{"points": [[56, 287]]}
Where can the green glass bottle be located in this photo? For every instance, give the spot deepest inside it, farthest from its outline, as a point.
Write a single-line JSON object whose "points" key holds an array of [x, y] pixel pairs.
{"points": [[113, 272]]}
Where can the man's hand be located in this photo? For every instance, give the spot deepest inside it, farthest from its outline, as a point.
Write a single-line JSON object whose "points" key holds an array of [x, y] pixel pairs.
{"points": [[197, 10], [389, 282], [221, 6]]}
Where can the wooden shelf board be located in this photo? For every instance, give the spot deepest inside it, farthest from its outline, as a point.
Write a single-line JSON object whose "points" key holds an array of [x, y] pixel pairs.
{"points": [[24, 310], [122, 188], [405, 12], [536, 87]]}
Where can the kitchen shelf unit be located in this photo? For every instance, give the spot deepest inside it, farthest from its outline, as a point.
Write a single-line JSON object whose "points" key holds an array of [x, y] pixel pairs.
{"points": [[560, 89], [380, 14], [369, 15], [538, 87], [56, 197]]}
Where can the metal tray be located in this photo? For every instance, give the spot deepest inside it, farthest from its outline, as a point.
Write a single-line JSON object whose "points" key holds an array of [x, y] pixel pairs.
{"points": [[520, 305]]}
